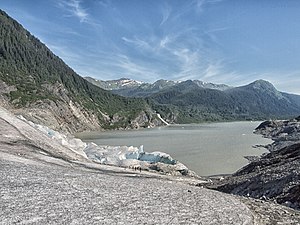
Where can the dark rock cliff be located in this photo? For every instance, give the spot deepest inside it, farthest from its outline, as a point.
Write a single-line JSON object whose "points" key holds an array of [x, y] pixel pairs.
{"points": [[274, 176]]}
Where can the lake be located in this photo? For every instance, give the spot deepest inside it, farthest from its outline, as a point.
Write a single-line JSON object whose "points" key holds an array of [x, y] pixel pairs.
{"points": [[207, 149]]}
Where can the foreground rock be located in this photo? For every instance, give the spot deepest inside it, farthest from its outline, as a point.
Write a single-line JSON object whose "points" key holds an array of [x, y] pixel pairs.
{"points": [[276, 175], [283, 132], [34, 192]]}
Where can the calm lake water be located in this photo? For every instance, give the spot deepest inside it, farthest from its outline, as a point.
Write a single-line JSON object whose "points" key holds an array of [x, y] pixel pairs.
{"points": [[207, 149]]}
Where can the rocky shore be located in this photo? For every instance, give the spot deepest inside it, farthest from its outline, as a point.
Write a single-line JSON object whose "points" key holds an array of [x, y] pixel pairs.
{"points": [[274, 176]]}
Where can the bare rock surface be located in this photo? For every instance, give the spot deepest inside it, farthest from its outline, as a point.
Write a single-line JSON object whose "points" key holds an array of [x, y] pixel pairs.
{"points": [[16, 131], [283, 132], [274, 176], [271, 213], [42, 194]]}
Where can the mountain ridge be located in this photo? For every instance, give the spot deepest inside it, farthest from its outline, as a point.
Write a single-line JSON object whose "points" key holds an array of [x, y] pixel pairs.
{"points": [[196, 101], [144, 89]]}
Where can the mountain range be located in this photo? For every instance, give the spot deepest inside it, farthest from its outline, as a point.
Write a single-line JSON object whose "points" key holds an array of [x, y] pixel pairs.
{"points": [[132, 88], [196, 101]]}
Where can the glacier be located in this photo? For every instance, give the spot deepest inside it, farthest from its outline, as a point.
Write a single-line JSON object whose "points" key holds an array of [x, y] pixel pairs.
{"points": [[122, 156]]}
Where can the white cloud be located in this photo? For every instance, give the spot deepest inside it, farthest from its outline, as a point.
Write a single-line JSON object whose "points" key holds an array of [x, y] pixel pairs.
{"points": [[152, 45], [78, 10], [131, 68], [211, 71], [165, 52], [113, 65], [138, 43], [164, 42], [74, 7], [199, 5], [166, 12]]}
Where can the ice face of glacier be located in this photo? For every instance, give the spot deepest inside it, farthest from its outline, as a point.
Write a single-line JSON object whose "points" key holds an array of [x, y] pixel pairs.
{"points": [[123, 156], [153, 157]]}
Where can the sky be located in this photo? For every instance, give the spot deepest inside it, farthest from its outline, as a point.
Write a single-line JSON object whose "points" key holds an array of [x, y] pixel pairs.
{"points": [[221, 41]]}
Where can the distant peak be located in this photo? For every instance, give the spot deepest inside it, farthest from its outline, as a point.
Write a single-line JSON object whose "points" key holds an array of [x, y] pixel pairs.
{"points": [[261, 81], [266, 87], [262, 84]]}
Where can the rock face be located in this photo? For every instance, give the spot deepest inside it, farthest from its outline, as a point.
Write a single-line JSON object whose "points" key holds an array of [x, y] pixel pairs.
{"points": [[63, 114], [276, 175], [283, 133]]}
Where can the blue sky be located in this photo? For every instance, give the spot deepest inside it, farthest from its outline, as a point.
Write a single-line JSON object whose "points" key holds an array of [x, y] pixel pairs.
{"points": [[220, 41]]}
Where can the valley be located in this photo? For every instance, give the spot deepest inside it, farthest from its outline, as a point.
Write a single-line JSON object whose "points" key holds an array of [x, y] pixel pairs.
{"points": [[49, 177], [194, 101]]}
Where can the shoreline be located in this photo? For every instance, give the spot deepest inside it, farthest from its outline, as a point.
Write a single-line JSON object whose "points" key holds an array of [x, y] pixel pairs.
{"points": [[196, 142]]}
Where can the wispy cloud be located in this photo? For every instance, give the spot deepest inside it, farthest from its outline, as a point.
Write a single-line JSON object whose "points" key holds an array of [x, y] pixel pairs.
{"points": [[166, 12], [214, 1], [199, 5], [189, 63], [130, 67], [74, 7], [78, 10], [144, 45], [178, 50], [212, 70], [169, 54], [164, 41], [149, 45], [113, 65], [209, 40], [217, 74]]}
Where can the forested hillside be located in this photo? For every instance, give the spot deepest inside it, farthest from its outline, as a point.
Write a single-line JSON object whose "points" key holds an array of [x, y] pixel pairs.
{"points": [[256, 101], [39, 79]]}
